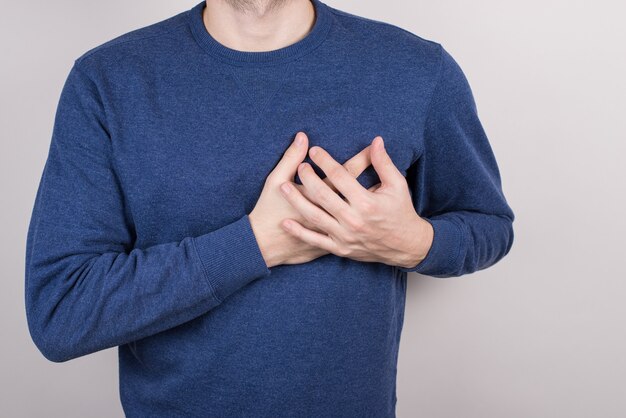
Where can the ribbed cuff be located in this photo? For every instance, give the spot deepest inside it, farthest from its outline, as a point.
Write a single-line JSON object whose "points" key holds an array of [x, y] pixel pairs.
{"points": [[443, 256], [230, 257]]}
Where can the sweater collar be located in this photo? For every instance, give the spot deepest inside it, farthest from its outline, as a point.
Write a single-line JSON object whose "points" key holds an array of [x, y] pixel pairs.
{"points": [[321, 26]]}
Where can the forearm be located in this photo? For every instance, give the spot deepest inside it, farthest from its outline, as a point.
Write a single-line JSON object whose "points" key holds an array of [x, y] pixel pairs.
{"points": [[465, 242], [83, 303], [456, 182]]}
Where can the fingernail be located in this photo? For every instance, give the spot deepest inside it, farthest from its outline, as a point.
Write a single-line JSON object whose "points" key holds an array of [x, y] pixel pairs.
{"points": [[312, 151], [285, 187], [299, 139], [381, 143]]}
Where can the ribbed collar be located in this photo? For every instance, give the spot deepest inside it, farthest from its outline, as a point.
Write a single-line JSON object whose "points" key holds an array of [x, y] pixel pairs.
{"points": [[321, 26]]}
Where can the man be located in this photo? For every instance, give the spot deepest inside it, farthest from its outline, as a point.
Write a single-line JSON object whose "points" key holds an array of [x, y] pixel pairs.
{"points": [[160, 226]]}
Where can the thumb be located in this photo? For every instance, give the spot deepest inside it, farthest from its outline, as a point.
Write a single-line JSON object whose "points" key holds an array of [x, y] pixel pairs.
{"points": [[296, 152], [383, 164]]}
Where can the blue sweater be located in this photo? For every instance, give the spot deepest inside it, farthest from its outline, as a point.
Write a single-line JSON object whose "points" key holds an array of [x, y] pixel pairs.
{"points": [[140, 237]]}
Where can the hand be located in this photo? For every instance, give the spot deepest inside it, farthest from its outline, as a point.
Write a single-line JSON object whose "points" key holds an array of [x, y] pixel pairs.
{"points": [[376, 225], [277, 245]]}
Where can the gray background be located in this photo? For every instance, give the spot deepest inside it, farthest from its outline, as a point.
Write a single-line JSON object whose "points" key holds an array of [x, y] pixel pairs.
{"points": [[541, 334]]}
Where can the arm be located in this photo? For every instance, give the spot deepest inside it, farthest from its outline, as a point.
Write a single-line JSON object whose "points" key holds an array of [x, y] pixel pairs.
{"points": [[455, 183], [87, 288]]}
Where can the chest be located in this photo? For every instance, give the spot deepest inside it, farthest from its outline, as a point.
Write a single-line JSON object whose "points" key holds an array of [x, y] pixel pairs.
{"points": [[192, 157]]}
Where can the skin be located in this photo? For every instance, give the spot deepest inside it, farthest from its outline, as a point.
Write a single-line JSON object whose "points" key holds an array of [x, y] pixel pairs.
{"points": [[296, 223], [303, 222], [277, 245], [258, 25]]}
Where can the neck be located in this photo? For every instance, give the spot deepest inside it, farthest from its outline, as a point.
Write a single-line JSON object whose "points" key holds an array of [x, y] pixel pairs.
{"points": [[258, 25]]}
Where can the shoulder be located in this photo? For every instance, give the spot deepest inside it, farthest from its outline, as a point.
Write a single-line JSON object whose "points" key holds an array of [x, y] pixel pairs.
{"points": [[404, 50], [144, 40], [395, 41]]}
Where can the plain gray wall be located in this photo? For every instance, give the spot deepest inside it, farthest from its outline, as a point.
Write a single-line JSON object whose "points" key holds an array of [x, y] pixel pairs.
{"points": [[540, 334]]}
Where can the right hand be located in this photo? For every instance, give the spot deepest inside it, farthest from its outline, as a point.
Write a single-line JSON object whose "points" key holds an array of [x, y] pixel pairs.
{"points": [[278, 246]]}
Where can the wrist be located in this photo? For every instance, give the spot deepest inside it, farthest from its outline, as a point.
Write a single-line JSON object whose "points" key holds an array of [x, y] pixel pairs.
{"points": [[419, 242], [265, 245]]}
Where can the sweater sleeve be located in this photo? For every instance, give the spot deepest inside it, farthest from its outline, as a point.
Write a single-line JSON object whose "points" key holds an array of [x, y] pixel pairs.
{"points": [[455, 183], [87, 287]]}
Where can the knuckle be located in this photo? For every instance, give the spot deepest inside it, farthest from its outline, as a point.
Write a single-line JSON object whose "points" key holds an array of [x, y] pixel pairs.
{"points": [[357, 224], [354, 223], [367, 206], [345, 213], [309, 224], [348, 238], [343, 251], [315, 218]]}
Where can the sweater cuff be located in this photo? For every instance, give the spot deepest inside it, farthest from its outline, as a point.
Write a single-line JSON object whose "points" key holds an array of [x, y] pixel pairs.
{"points": [[444, 252], [230, 257]]}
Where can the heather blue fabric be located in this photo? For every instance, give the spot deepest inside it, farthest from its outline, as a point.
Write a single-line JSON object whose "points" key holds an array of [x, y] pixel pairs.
{"points": [[140, 236]]}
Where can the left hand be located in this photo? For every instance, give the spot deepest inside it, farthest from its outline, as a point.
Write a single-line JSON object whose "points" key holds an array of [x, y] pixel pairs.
{"points": [[378, 224]]}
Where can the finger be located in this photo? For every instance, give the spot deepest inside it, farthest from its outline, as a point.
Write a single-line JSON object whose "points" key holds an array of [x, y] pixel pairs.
{"points": [[313, 238], [343, 180], [294, 155], [319, 193], [383, 165], [355, 165], [317, 216], [307, 193]]}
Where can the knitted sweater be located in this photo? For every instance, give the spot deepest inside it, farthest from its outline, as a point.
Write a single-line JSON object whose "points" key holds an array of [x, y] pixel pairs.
{"points": [[140, 237]]}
